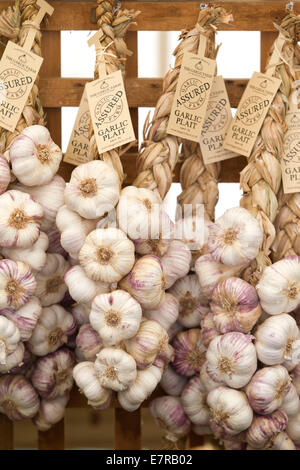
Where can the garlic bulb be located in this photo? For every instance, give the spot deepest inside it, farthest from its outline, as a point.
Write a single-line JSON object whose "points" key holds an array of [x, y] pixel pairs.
{"points": [[20, 219], [150, 340], [52, 375], [164, 358], [9, 338], [166, 313], [157, 243], [81, 313], [233, 359], [74, 230], [25, 318], [17, 284], [115, 316], [35, 256], [18, 399], [146, 282], [201, 430], [4, 174], [82, 289], [207, 377], [176, 262], [172, 383], [54, 327], [293, 428], [14, 361], [267, 389], [51, 287], [279, 286], [193, 400], [107, 255], [230, 411], [93, 189], [88, 343], [282, 442], [192, 302], [51, 412], [208, 328], [295, 375], [115, 369], [54, 242], [174, 330], [263, 429], [235, 238], [277, 340], [235, 306], [88, 382], [145, 383], [291, 403], [169, 415], [189, 352], [192, 230]]}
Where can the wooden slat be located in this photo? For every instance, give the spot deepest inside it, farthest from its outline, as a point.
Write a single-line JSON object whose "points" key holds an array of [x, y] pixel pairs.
{"points": [[6, 433], [266, 40], [54, 439], [127, 430]]}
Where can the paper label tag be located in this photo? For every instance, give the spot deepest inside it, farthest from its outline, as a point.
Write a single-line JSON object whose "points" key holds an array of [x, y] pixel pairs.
{"points": [[191, 97], [251, 112], [18, 71], [77, 151], [109, 112], [290, 163], [218, 118]]}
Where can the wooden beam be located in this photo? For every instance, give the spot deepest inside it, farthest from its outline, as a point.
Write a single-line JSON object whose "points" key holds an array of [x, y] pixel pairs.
{"points": [[128, 433], [54, 439], [6, 433]]}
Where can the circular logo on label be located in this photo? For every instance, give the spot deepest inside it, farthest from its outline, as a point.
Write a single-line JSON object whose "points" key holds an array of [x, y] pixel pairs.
{"points": [[221, 119], [15, 91], [292, 147], [84, 123], [192, 94], [106, 107], [251, 111]]}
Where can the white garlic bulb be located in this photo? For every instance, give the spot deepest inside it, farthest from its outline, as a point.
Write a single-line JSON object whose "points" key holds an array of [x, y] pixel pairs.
{"points": [[50, 412], [4, 174], [115, 369], [18, 399], [88, 382], [93, 189], [192, 230], [166, 313], [169, 415], [233, 359], [176, 262], [193, 400], [277, 340], [192, 302], [293, 428], [35, 158], [81, 288], [208, 328], [107, 255], [14, 361], [35, 256], [51, 287], [263, 429], [9, 338], [279, 286], [54, 327], [160, 238], [282, 442], [189, 352], [17, 284], [88, 343], [172, 383], [115, 316], [230, 411], [25, 318], [291, 403], [20, 218]]}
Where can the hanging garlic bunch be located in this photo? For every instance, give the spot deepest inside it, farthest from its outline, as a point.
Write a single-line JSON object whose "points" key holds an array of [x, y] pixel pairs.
{"points": [[88, 382], [169, 415]]}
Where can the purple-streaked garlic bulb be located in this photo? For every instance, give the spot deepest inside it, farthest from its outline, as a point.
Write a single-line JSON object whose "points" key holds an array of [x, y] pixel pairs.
{"points": [[172, 383], [18, 398], [193, 399], [89, 384], [4, 174], [51, 412], [54, 242], [88, 343], [169, 415], [9, 338], [81, 313], [51, 287], [291, 403], [14, 360], [189, 352], [207, 378], [164, 358], [23, 360], [174, 330], [293, 428], [17, 284], [176, 262], [25, 318], [263, 429], [208, 328], [166, 313]]}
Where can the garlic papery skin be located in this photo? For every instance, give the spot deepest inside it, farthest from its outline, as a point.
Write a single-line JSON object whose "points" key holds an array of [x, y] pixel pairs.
{"points": [[235, 238], [50, 196], [145, 383], [93, 189], [81, 313], [35, 256], [233, 359], [207, 378], [18, 399], [4, 174], [291, 403], [14, 360], [166, 313], [193, 399], [169, 415], [172, 383], [88, 343], [20, 219], [107, 255], [230, 411], [115, 369], [35, 158], [150, 340], [54, 327], [17, 284], [115, 316], [52, 375], [9, 338], [293, 428], [277, 340], [235, 306], [51, 412], [83, 289], [208, 328], [283, 442], [51, 287], [189, 352], [25, 318], [267, 389], [74, 230], [146, 282], [176, 262], [279, 286], [192, 302], [88, 382], [264, 429]]}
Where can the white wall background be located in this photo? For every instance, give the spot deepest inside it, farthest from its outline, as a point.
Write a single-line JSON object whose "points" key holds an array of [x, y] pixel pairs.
{"points": [[238, 57]]}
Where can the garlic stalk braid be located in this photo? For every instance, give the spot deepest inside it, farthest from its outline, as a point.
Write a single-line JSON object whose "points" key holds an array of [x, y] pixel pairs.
{"points": [[158, 154], [261, 179], [114, 25], [9, 26]]}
